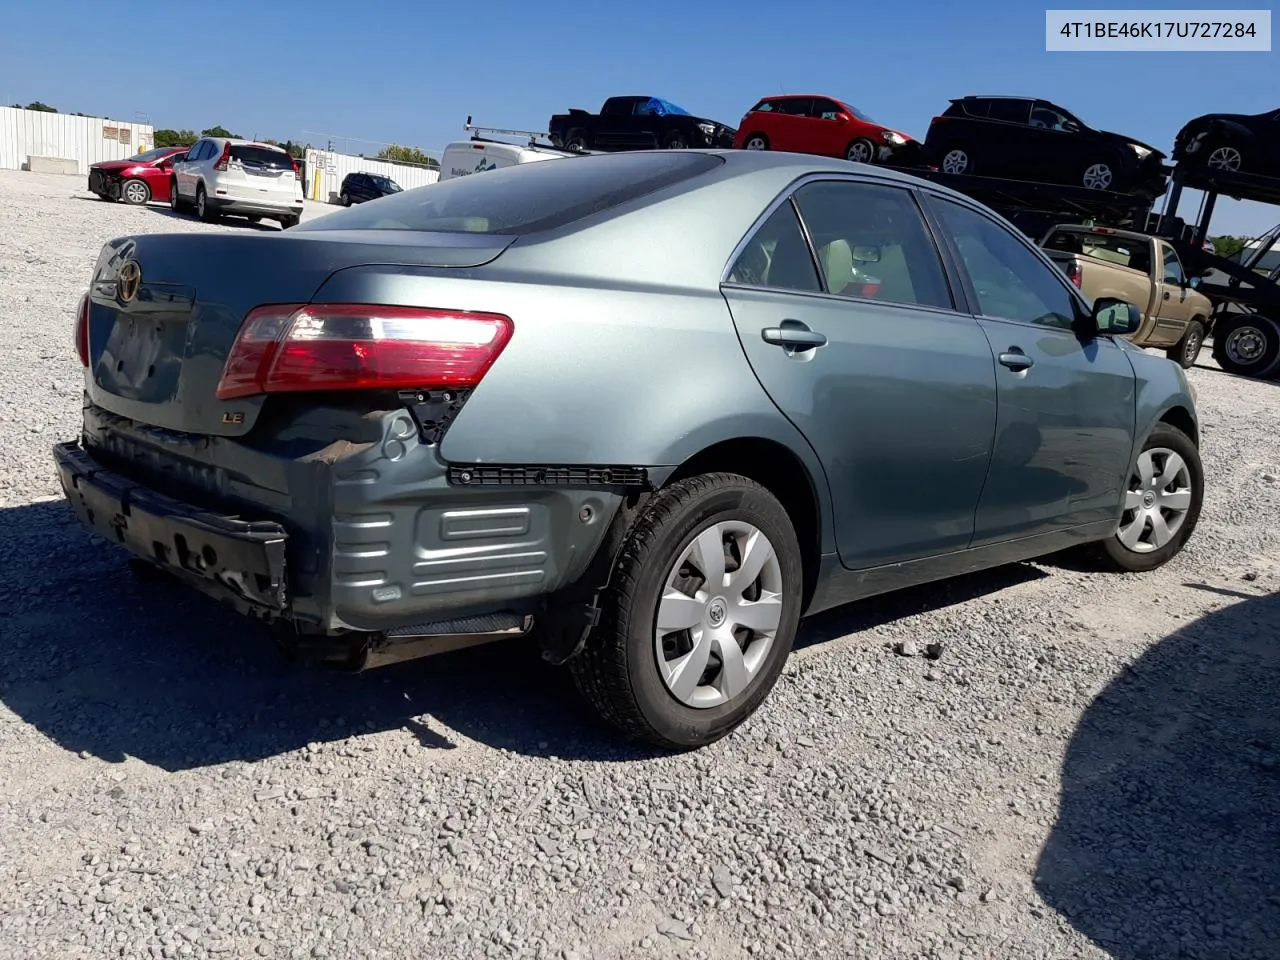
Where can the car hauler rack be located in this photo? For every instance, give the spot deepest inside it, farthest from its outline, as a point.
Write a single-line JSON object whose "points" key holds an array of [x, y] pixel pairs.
{"points": [[1245, 324], [1034, 207]]}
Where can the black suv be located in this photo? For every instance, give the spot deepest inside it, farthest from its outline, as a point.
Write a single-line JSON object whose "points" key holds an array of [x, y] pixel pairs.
{"points": [[359, 187], [1246, 142], [1022, 138]]}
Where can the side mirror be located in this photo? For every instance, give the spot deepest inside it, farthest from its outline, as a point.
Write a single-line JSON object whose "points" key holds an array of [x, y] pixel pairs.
{"points": [[1193, 282], [1114, 317]]}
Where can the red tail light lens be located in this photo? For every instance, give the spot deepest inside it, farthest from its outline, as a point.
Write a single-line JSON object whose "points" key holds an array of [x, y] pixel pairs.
{"points": [[1074, 273], [297, 169], [82, 331], [290, 348], [222, 160]]}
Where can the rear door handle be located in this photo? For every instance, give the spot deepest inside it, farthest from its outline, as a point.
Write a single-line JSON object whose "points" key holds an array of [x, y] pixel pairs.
{"points": [[1015, 359], [793, 333]]}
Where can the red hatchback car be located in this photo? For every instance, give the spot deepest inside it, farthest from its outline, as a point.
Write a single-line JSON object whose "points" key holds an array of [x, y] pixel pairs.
{"points": [[136, 180], [807, 123]]}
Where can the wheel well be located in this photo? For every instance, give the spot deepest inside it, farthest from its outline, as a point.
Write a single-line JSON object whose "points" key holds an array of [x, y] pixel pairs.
{"points": [[779, 471], [1181, 418]]}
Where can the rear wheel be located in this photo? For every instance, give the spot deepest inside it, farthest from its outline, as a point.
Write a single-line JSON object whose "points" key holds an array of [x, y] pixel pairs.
{"points": [[861, 150], [287, 222], [203, 209], [575, 140], [700, 615], [135, 192], [1161, 503], [675, 140], [1247, 345], [1187, 350], [956, 160], [757, 141]]}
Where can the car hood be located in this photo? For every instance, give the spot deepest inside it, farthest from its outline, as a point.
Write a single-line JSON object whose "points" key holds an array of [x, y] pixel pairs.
{"points": [[114, 165], [1122, 138], [1244, 118]]}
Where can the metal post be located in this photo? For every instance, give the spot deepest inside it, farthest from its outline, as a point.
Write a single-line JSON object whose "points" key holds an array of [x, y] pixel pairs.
{"points": [[1202, 228]]}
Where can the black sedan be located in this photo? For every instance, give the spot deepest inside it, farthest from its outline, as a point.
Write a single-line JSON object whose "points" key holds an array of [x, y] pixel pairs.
{"points": [[1232, 142]]}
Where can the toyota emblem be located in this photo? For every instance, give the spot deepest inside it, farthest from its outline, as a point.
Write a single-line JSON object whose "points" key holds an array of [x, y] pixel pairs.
{"points": [[128, 281]]}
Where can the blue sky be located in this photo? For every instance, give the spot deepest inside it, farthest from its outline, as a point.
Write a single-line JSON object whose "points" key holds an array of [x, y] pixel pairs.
{"points": [[399, 71]]}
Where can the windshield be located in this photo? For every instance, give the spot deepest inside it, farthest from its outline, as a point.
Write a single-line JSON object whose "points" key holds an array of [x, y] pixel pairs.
{"points": [[858, 114], [151, 155], [523, 198]]}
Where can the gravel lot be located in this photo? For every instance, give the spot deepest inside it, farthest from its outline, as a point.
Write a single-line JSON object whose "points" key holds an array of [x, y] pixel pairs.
{"points": [[1091, 767]]}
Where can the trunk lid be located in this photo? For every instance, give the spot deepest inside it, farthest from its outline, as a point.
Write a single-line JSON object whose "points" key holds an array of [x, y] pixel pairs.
{"points": [[157, 356]]}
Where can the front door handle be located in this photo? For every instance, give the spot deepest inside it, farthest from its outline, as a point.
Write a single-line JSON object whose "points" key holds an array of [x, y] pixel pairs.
{"points": [[1016, 360], [793, 333], [1166, 294]]}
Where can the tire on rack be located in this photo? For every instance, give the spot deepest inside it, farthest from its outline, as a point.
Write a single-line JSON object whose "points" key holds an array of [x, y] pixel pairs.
{"points": [[1246, 344], [671, 662], [1099, 175], [956, 159], [135, 192], [575, 140], [1187, 350], [1163, 497]]}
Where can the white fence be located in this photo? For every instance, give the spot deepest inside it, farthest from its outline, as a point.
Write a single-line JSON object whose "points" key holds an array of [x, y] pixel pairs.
{"points": [[86, 140], [326, 170]]}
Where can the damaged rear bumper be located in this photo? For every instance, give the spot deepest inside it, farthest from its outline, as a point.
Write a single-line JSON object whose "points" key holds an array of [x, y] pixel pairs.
{"points": [[238, 561]]}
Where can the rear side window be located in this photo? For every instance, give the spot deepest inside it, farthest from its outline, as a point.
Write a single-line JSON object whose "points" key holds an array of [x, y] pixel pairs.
{"points": [[261, 157], [524, 198], [1010, 111]]}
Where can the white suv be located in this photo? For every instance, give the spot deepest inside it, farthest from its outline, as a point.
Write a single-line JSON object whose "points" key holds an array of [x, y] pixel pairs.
{"points": [[239, 177]]}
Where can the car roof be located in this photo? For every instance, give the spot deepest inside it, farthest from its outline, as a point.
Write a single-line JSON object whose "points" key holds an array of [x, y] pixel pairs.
{"points": [[992, 96]]}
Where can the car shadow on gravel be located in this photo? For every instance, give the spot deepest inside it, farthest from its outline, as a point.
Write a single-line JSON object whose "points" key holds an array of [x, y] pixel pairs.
{"points": [[230, 220], [1167, 842], [111, 665]]}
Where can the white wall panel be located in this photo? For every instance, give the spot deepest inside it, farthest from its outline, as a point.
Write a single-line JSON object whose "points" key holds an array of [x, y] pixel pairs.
{"points": [[86, 140], [326, 169]]}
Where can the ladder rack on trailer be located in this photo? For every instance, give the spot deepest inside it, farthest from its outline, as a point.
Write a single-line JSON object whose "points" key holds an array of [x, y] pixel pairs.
{"points": [[532, 135], [1246, 321], [1047, 204]]}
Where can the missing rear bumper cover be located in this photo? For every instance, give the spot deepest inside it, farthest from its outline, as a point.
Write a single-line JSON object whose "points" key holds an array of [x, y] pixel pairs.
{"points": [[549, 475]]}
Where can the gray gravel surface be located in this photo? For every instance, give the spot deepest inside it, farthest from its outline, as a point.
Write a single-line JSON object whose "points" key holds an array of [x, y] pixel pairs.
{"points": [[1038, 762]]}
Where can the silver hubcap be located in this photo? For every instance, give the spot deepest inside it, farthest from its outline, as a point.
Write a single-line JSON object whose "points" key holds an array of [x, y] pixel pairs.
{"points": [[1245, 345], [719, 614], [1157, 501], [1098, 177], [136, 192], [859, 152], [1193, 347], [755, 143], [957, 161], [1225, 158]]}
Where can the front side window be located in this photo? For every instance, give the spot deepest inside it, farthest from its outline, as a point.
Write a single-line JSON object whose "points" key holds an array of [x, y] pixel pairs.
{"points": [[1172, 267], [525, 197], [1046, 118], [777, 255], [1011, 282], [825, 109], [872, 243]]}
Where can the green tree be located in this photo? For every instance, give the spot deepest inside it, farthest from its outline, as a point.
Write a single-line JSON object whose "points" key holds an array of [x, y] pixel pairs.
{"points": [[38, 106], [175, 138], [407, 155], [1227, 246], [218, 130]]}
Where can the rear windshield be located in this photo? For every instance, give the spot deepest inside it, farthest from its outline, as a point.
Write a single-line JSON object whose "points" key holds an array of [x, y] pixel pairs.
{"points": [[523, 198], [1121, 251], [261, 157]]}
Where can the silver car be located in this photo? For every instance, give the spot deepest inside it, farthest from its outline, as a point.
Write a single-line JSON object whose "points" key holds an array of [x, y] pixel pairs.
{"points": [[648, 408]]}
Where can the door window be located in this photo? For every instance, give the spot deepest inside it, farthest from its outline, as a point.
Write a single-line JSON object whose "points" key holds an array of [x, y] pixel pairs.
{"points": [[872, 243], [824, 109], [777, 255], [1010, 111], [1046, 118], [1011, 282], [1173, 267], [793, 106]]}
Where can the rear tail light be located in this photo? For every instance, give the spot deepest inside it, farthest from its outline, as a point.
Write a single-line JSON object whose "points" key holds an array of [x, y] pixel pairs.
{"points": [[871, 288], [937, 119], [297, 169], [224, 159], [82, 330], [1074, 273], [291, 348]]}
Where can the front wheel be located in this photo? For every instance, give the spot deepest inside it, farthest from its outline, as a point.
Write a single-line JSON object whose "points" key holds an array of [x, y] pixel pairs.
{"points": [[1098, 176], [757, 141], [1246, 344], [861, 150], [1187, 350], [1161, 503], [345, 200], [204, 210], [1224, 157], [675, 141], [700, 615], [135, 192]]}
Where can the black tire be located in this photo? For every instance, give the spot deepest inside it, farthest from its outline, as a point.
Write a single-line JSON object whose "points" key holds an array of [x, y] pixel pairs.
{"points": [[345, 200], [1113, 183], [1120, 557], [176, 203], [575, 140], [1222, 155], [675, 140], [964, 151], [617, 671], [864, 146], [1246, 344], [757, 136], [1187, 350], [287, 222], [141, 192], [203, 210]]}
